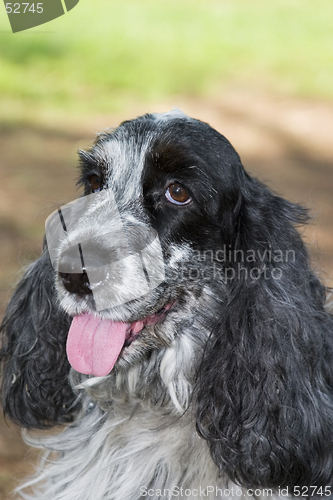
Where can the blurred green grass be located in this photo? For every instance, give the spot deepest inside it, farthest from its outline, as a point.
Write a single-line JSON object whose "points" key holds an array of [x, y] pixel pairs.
{"points": [[106, 53]]}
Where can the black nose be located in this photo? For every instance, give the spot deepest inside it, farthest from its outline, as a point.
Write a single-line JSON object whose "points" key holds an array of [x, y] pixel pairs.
{"points": [[76, 283]]}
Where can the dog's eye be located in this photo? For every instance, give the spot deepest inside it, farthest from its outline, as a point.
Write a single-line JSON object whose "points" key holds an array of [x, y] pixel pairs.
{"points": [[95, 183], [177, 194]]}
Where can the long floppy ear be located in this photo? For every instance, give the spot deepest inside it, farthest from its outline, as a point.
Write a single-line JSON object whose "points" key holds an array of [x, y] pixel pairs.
{"points": [[265, 389], [35, 389]]}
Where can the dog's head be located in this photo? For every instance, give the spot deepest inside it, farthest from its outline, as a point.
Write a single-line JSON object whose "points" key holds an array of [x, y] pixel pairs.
{"points": [[162, 193], [183, 271]]}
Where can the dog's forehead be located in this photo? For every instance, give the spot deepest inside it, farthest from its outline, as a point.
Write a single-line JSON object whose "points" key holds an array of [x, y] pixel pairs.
{"points": [[173, 139], [123, 159], [123, 152]]}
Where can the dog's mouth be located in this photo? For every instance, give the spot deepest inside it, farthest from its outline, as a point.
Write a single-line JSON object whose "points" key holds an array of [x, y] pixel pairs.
{"points": [[94, 344], [135, 328]]}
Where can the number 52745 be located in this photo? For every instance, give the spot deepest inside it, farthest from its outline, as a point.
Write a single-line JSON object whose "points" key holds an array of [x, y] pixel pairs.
{"points": [[22, 8]]}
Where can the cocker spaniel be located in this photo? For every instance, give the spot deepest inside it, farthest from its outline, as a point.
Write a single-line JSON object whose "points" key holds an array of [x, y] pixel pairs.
{"points": [[174, 328]]}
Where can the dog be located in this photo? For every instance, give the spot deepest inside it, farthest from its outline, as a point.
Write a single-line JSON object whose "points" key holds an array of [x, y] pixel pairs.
{"points": [[172, 331]]}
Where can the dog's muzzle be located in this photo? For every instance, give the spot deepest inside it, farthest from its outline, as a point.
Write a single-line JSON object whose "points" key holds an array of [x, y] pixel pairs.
{"points": [[120, 263]]}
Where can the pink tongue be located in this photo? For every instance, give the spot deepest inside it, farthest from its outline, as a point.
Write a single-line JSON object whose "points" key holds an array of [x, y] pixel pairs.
{"points": [[94, 344]]}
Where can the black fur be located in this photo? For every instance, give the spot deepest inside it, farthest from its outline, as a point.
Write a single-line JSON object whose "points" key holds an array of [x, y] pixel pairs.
{"points": [[35, 388], [265, 390]]}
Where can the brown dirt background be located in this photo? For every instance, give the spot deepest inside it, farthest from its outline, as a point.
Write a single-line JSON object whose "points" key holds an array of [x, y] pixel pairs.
{"points": [[286, 143]]}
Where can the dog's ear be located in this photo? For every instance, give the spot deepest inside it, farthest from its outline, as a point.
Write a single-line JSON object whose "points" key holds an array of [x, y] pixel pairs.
{"points": [[265, 389], [35, 388]]}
